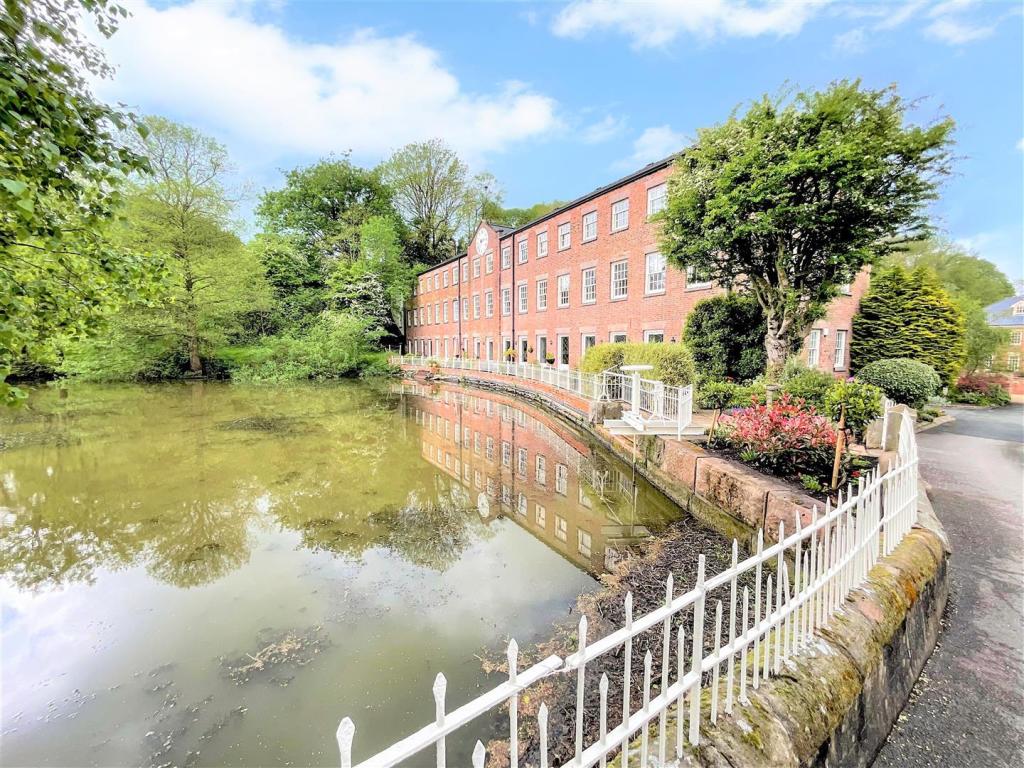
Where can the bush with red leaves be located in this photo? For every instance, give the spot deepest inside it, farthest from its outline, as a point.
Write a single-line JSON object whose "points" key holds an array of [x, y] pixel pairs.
{"points": [[787, 438]]}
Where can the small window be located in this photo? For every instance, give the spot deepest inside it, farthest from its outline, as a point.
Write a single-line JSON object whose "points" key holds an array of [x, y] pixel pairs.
{"points": [[506, 256], [465, 271], [654, 337], [445, 281], [561, 528], [813, 348], [657, 199], [476, 267], [840, 361], [506, 453], [455, 309], [696, 278], [620, 279], [1018, 308], [1012, 362], [444, 309], [1015, 338], [587, 341], [589, 226], [655, 273], [541, 515], [583, 542], [523, 298], [563, 290], [541, 469], [561, 479], [524, 251], [542, 295], [489, 263], [564, 236], [476, 306], [488, 304], [455, 275], [589, 285], [618, 337], [506, 301], [437, 281], [465, 310], [620, 215], [542, 244], [521, 461]]}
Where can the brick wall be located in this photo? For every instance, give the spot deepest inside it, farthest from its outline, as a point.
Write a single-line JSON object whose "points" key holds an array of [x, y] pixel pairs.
{"points": [[637, 314]]}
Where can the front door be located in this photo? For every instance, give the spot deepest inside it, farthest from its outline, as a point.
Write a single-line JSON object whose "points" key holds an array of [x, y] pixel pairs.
{"points": [[524, 346], [563, 351]]}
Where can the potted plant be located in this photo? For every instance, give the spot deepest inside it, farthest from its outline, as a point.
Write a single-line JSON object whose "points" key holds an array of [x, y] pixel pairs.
{"points": [[550, 359]]}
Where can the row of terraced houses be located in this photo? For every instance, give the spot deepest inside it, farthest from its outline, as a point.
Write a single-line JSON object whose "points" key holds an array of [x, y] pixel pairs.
{"points": [[587, 272]]}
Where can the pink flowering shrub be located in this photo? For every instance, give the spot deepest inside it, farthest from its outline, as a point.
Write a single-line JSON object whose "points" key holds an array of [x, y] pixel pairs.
{"points": [[788, 438]]}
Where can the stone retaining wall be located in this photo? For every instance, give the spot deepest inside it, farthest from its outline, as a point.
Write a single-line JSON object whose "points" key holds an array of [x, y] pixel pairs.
{"points": [[840, 697]]}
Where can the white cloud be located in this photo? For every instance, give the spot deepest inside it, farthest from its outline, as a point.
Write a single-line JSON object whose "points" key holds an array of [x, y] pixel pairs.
{"points": [[603, 130], [215, 64], [947, 29], [851, 42], [654, 143], [658, 22]]}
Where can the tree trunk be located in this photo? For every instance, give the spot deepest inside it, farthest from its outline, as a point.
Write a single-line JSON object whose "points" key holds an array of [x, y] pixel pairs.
{"points": [[195, 362], [776, 346]]}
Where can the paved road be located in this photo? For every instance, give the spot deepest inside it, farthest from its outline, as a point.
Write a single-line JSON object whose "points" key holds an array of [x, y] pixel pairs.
{"points": [[968, 707]]}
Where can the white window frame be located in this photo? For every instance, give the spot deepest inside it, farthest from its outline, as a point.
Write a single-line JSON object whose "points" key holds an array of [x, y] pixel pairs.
{"points": [[489, 263], [692, 284], [506, 301], [444, 278], [542, 294], [654, 282], [1018, 308], [542, 244], [589, 281], [839, 363], [540, 471], [657, 198], [489, 303], [563, 292], [455, 275], [583, 342], [814, 348], [561, 479], [476, 306], [1015, 338], [564, 235], [620, 215], [465, 309], [589, 227], [618, 337], [619, 282], [1012, 362], [476, 267], [651, 333], [524, 298], [524, 251], [506, 257]]}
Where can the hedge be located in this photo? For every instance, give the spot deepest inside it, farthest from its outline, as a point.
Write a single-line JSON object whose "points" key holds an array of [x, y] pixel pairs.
{"points": [[726, 335], [673, 363], [902, 379]]}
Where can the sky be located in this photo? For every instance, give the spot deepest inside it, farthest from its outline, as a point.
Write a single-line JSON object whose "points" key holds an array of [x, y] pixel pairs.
{"points": [[556, 99]]}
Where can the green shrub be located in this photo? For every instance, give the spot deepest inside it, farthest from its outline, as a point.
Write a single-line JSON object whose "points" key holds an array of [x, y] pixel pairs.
{"points": [[902, 379], [863, 403], [716, 395], [793, 367], [980, 389], [336, 345], [726, 335], [810, 385], [673, 363], [908, 314]]}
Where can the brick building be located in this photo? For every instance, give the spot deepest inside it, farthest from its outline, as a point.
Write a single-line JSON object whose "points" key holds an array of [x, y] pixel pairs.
{"points": [[585, 273]]}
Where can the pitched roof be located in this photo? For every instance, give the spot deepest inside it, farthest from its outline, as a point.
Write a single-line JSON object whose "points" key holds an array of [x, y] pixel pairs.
{"points": [[1001, 313]]}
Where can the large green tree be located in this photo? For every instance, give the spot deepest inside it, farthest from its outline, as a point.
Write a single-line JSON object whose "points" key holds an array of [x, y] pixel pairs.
{"points": [[437, 197], [909, 314], [961, 272], [517, 217], [182, 213], [62, 158], [789, 200]]}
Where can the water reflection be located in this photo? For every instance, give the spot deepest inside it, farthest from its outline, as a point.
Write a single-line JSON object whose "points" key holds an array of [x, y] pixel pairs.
{"points": [[353, 539], [520, 463]]}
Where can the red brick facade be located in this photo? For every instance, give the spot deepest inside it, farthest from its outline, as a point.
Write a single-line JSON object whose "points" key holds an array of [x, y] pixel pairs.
{"points": [[616, 287]]}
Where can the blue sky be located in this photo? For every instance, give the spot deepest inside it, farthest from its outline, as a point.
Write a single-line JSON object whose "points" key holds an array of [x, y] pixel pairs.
{"points": [[557, 98]]}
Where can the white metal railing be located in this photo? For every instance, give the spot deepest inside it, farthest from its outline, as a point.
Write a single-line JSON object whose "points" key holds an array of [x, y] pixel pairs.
{"points": [[651, 403], [814, 569]]}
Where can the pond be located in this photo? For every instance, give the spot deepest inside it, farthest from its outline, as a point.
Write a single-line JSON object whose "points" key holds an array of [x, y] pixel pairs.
{"points": [[212, 574]]}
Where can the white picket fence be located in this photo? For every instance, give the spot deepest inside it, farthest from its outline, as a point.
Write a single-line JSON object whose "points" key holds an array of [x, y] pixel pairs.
{"points": [[809, 573], [655, 407]]}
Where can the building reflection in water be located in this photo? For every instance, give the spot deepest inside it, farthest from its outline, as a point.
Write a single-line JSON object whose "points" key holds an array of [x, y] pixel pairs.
{"points": [[510, 460]]}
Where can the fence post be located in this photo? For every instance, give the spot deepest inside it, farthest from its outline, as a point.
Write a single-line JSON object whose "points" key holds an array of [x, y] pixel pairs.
{"points": [[626, 673], [513, 706], [697, 659], [346, 732], [440, 684], [580, 679]]}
